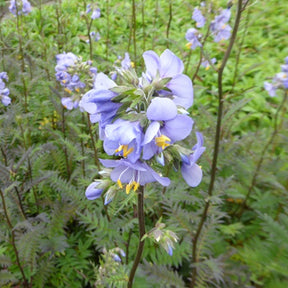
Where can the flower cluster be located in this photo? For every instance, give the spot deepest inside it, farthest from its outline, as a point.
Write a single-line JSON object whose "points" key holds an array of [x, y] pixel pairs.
{"points": [[4, 92], [219, 28], [280, 81], [20, 7], [72, 73], [140, 123], [96, 12]]}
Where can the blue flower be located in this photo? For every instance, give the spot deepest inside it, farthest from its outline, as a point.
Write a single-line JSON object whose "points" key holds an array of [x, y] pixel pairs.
{"points": [[198, 17], [191, 172], [133, 174], [192, 37], [168, 65], [166, 127], [270, 88], [219, 27], [96, 13], [95, 36], [23, 7], [4, 92], [65, 60], [92, 192], [126, 62], [123, 138], [206, 64], [98, 101]]}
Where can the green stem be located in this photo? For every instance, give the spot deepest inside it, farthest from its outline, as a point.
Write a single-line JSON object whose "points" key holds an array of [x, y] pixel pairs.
{"points": [[141, 220], [134, 30], [169, 23]]}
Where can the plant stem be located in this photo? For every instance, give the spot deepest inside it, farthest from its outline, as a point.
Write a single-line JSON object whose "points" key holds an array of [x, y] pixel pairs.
{"points": [[216, 144], [25, 283], [108, 28], [261, 159], [141, 219], [93, 144], [134, 30], [169, 23]]}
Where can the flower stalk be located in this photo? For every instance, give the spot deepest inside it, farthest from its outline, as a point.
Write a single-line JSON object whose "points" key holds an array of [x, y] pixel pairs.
{"points": [[195, 258], [141, 219]]}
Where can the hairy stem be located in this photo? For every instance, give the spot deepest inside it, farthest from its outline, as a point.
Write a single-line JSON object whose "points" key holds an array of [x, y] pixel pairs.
{"points": [[216, 144], [141, 219]]}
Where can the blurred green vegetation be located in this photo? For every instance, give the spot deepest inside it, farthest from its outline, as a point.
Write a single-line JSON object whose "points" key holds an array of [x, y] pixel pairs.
{"points": [[47, 154]]}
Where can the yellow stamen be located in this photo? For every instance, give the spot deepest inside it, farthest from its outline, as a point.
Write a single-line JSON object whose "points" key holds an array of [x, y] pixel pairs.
{"points": [[119, 184], [161, 141], [132, 64], [128, 188], [207, 68], [136, 185], [188, 45], [64, 81], [67, 90], [125, 150], [223, 26], [77, 90]]}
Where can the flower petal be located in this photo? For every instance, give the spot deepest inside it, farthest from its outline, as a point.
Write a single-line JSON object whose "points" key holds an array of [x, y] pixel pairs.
{"points": [[152, 62], [171, 65], [92, 192], [182, 88], [192, 174], [151, 132], [178, 128], [161, 109]]}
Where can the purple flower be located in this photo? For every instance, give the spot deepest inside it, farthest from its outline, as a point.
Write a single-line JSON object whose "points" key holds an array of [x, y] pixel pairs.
{"points": [[123, 138], [206, 63], [219, 27], [133, 174], [126, 62], [92, 192], [69, 103], [65, 60], [223, 33], [168, 65], [192, 37], [270, 88], [96, 13], [116, 257], [23, 7], [166, 126], [191, 172], [4, 92], [95, 36], [198, 17], [98, 101], [3, 76]]}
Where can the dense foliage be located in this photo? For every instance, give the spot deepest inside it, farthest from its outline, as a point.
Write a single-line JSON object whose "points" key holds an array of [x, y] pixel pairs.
{"points": [[231, 233]]}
